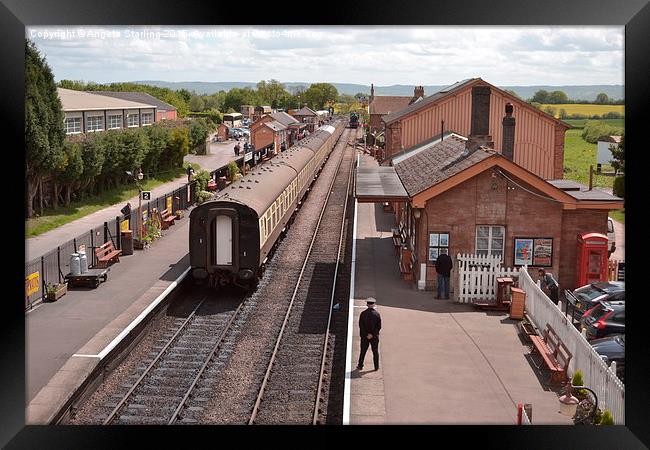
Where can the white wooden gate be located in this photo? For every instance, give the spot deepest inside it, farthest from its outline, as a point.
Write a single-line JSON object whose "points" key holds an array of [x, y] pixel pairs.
{"points": [[477, 277]]}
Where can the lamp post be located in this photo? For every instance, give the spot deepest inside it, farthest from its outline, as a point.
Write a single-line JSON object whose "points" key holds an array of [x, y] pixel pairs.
{"points": [[138, 178]]}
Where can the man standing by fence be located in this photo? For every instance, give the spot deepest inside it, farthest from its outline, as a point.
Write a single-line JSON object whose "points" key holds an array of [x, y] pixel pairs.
{"points": [[443, 268], [549, 284]]}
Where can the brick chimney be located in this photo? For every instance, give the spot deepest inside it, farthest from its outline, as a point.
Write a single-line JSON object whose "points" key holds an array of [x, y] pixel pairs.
{"points": [[418, 91], [508, 146], [372, 91], [480, 124]]}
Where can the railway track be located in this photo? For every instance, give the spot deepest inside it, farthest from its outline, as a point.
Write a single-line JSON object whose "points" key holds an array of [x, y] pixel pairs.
{"points": [[299, 367], [157, 389], [216, 351]]}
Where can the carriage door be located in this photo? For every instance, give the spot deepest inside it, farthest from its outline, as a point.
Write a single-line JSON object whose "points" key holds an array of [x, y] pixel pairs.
{"points": [[223, 242]]}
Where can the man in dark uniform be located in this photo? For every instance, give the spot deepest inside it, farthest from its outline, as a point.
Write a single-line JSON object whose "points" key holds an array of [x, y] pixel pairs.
{"points": [[237, 148], [369, 326], [283, 147], [443, 268]]}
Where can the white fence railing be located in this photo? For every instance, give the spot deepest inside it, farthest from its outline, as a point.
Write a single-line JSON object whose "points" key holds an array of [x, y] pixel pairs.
{"points": [[596, 374], [477, 277]]}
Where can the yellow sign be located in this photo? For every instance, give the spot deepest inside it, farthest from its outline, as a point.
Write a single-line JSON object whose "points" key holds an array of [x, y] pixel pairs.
{"points": [[32, 283], [168, 204], [124, 225]]}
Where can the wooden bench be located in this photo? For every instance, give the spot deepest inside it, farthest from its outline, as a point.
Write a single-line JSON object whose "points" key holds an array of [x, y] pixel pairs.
{"points": [[166, 219], [555, 355], [106, 254]]}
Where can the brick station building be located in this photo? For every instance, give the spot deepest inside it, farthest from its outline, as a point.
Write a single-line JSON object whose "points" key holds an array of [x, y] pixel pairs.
{"points": [[539, 137], [274, 129], [462, 194]]}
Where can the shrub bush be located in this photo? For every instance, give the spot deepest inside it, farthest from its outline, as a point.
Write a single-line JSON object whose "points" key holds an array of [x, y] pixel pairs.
{"points": [[593, 130], [233, 170], [619, 186], [203, 196], [202, 178], [606, 418]]}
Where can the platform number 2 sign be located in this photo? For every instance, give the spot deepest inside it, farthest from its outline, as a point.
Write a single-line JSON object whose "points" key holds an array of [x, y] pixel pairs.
{"points": [[146, 195]]}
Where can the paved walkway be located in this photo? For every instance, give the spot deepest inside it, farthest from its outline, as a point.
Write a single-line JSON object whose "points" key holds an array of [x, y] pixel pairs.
{"points": [[441, 362], [220, 155], [55, 331]]}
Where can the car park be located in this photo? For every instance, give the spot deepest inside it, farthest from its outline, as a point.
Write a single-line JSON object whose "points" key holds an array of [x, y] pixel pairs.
{"points": [[586, 297], [612, 349], [604, 319]]}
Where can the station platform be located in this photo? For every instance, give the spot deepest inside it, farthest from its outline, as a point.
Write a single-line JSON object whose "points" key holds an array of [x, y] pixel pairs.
{"points": [[440, 362], [67, 339]]}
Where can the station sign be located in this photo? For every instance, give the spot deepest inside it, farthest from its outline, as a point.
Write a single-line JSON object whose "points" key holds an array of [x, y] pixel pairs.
{"points": [[146, 195], [248, 157], [32, 283]]}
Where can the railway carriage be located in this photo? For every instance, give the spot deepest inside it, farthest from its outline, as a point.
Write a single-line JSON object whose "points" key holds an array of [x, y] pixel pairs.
{"points": [[232, 235]]}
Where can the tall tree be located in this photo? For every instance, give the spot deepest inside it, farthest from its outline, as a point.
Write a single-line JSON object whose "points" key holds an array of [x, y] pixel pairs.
{"points": [[540, 96], [558, 97], [44, 133], [319, 94], [602, 98], [196, 103]]}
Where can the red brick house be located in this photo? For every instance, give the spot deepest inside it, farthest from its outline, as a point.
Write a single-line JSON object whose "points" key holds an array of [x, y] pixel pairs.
{"points": [[382, 105], [268, 132], [306, 115], [539, 137]]}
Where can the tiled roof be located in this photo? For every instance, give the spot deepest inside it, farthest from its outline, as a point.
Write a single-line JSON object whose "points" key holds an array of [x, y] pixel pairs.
{"points": [[582, 192], [305, 111], [437, 163], [458, 86], [72, 100], [386, 104], [283, 118], [141, 97], [275, 125], [391, 117]]}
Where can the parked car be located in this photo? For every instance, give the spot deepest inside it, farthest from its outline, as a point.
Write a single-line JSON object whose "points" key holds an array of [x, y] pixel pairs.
{"points": [[612, 348], [611, 237], [586, 297], [604, 319]]}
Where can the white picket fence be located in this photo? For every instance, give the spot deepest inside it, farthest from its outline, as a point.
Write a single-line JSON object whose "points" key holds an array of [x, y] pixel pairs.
{"points": [[477, 277], [596, 374]]}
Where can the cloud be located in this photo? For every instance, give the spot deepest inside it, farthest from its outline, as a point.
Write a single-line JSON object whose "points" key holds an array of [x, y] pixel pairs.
{"points": [[363, 54]]}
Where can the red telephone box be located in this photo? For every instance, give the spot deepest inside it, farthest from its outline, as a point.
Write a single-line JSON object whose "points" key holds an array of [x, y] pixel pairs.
{"points": [[592, 258]]}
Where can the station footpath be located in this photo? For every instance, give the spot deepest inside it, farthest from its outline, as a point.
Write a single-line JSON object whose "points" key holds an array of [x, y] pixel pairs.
{"points": [[440, 362], [66, 340]]}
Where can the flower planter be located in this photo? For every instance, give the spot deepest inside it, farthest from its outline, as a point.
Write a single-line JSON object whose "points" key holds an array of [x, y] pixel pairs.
{"points": [[58, 293], [140, 245]]}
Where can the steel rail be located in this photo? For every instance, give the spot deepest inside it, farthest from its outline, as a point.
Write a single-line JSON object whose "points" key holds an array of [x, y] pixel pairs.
{"points": [[295, 292], [205, 365], [121, 403], [329, 317]]}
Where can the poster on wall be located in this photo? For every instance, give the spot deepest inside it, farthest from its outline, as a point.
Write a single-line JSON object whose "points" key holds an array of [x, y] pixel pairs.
{"points": [[433, 239], [433, 253], [543, 252], [523, 251], [444, 240]]}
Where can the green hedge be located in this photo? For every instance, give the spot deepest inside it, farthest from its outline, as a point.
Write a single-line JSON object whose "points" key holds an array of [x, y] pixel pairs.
{"points": [[619, 186]]}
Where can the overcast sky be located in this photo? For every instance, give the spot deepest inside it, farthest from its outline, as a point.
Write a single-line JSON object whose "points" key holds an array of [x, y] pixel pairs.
{"points": [[381, 55]]}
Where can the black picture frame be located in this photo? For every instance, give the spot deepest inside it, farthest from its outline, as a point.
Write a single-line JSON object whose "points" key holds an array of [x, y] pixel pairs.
{"points": [[634, 14], [533, 250]]}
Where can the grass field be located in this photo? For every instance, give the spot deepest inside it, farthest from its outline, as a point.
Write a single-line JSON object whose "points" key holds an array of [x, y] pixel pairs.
{"points": [[53, 218], [580, 123], [587, 109], [579, 155]]}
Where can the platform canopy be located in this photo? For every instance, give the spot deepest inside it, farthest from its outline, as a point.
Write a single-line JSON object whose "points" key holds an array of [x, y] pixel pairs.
{"points": [[377, 184]]}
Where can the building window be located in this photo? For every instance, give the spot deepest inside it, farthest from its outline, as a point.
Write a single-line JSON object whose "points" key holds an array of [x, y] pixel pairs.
{"points": [[489, 240], [147, 118], [95, 123], [132, 120], [114, 121], [72, 125], [438, 245]]}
